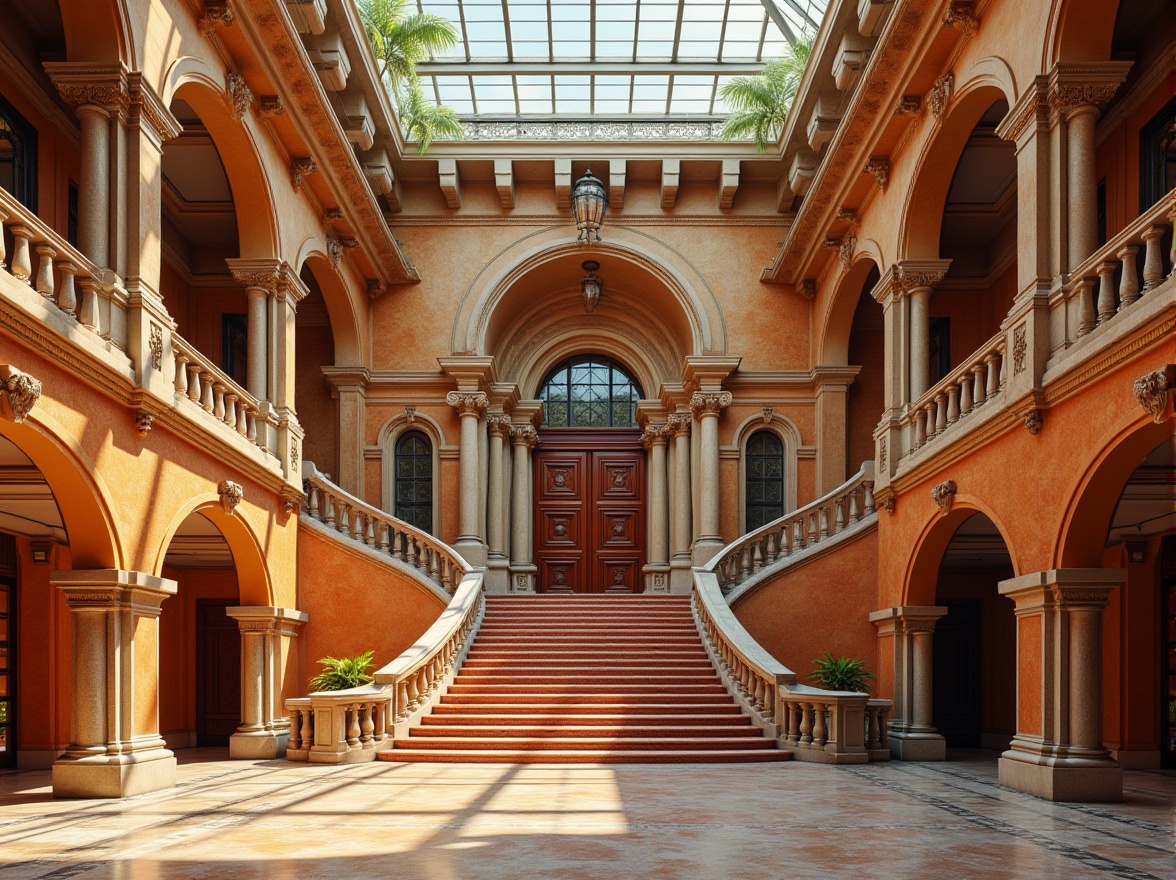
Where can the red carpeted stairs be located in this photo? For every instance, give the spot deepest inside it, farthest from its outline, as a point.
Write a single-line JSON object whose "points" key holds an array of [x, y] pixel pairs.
{"points": [[596, 679]]}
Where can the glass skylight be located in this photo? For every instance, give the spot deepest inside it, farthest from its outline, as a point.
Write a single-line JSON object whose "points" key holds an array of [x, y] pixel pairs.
{"points": [[621, 61]]}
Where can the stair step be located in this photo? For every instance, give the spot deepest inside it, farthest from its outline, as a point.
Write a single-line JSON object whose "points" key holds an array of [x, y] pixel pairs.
{"points": [[626, 677], [580, 699], [579, 717], [481, 756], [681, 710], [562, 731], [538, 665], [512, 690], [615, 744]]}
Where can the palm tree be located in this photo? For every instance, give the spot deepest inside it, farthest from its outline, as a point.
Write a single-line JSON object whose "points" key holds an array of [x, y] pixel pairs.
{"points": [[423, 120], [402, 39], [760, 104]]}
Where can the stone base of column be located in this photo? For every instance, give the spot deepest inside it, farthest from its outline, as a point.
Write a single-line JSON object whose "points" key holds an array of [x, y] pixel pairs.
{"points": [[114, 776], [705, 549], [260, 745], [914, 745], [472, 550], [681, 575], [497, 575], [656, 577], [522, 579], [1077, 775]]}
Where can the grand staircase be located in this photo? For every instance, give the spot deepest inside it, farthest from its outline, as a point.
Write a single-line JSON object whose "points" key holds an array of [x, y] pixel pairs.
{"points": [[586, 679]]}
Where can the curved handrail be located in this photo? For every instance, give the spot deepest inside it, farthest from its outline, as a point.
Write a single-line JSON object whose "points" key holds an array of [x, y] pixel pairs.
{"points": [[343, 512], [802, 529]]}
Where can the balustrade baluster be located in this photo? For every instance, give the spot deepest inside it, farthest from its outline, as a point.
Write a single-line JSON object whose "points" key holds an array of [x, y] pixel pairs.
{"points": [[434, 565], [757, 557], [329, 509], [353, 730], [1106, 291], [965, 394], [243, 418], [3, 252], [920, 429], [770, 552], [785, 540], [940, 412], [1087, 317], [953, 403], [343, 522], [181, 381], [812, 528], [206, 393], [67, 295], [929, 414], [358, 519], [382, 538], [22, 264], [820, 730], [218, 401], [823, 523], [88, 313], [194, 382], [993, 361], [978, 392], [797, 534], [839, 521], [251, 425], [231, 410], [44, 285], [295, 718], [1153, 261], [312, 503], [854, 514], [792, 713], [1129, 280], [367, 726], [869, 497], [806, 724], [402, 700]]}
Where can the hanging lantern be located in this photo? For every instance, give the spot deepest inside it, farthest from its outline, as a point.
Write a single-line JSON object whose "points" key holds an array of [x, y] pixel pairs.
{"points": [[588, 206], [591, 285]]}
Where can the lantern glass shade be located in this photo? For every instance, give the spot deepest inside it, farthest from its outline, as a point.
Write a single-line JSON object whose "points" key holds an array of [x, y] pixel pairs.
{"points": [[588, 205], [591, 286]]}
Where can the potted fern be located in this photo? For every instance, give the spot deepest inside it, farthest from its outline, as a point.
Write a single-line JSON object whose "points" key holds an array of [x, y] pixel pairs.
{"points": [[341, 673], [841, 674]]}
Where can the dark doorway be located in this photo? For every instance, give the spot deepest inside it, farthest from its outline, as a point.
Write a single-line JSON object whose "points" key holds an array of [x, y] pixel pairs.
{"points": [[1168, 654], [956, 675], [7, 651], [218, 673]]}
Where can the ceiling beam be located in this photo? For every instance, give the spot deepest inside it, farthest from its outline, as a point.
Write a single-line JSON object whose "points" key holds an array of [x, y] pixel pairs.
{"points": [[539, 68]]}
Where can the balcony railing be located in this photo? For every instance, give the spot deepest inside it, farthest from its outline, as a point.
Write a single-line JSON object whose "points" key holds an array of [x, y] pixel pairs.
{"points": [[230, 405], [78, 289]]}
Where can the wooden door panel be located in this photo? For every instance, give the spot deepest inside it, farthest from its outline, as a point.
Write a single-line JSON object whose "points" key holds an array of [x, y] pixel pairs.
{"points": [[218, 673], [618, 478], [561, 478], [619, 574], [560, 528], [617, 528], [561, 574]]}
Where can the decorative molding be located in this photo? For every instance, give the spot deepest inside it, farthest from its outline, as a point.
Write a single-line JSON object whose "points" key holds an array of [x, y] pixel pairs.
{"points": [[143, 422], [230, 495], [845, 251], [766, 413], [410, 414], [1151, 391], [709, 402], [882, 454], [499, 424], [908, 105], [940, 94], [468, 402], [336, 247], [155, 346], [524, 435], [808, 288], [270, 105], [961, 14], [294, 453], [21, 391], [879, 166], [1034, 419], [239, 94], [217, 14], [655, 433], [943, 494], [1020, 347], [300, 168], [680, 422]]}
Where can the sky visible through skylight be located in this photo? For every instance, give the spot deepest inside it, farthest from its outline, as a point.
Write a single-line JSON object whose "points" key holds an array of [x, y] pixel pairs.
{"points": [[606, 59]]}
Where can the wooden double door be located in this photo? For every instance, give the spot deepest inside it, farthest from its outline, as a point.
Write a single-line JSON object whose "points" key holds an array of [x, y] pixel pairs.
{"points": [[589, 510]]}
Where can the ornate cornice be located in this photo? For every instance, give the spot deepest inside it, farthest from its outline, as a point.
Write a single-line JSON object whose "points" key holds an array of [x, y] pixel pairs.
{"points": [[21, 391], [468, 402], [709, 403], [82, 83]]}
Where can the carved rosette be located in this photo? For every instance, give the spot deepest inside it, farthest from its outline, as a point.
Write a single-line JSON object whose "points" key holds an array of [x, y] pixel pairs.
{"points": [[656, 434], [940, 94], [300, 168], [230, 495], [879, 166], [143, 422], [21, 391], [943, 494], [468, 402], [709, 403], [499, 424], [1020, 347], [524, 435], [239, 94], [1151, 391], [1034, 420]]}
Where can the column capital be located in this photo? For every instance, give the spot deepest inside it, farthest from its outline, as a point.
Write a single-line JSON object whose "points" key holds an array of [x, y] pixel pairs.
{"points": [[1030, 111], [268, 619], [1074, 85], [1062, 588], [910, 275], [94, 84], [709, 403], [262, 274], [468, 402], [113, 588], [908, 618], [680, 423], [656, 434], [499, 424], [471, 372], [524, 435]]}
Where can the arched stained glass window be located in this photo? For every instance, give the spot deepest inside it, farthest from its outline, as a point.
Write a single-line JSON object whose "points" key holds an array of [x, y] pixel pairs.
{"points": [[764, 482], [414, 480], [590, 391]]}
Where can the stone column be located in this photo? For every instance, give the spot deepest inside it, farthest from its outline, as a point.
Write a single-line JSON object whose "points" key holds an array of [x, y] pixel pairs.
{"points": [[1083, 183], [1057, 752], [657, 570], [497, 576], [349, 387], [470, 406], [265, 634], [920, 311], [707, 407], [94, 185], [522, 570], [832, 419], [257, 315], [912, 732], [117, 750], [681, 520]]}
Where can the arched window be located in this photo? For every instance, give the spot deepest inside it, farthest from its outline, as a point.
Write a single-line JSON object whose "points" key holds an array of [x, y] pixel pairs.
{"points": [[764, 479], [18, 156], [590, 391], [414, 480]]}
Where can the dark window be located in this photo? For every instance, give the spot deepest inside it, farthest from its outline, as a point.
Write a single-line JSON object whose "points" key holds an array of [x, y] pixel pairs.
{"points": [[764, 485], [1100, 202], [940, 359], [235, 347], [414, 480], [590, 392], [71, 229], [7, 651], [18, 156], [1157, 157]]}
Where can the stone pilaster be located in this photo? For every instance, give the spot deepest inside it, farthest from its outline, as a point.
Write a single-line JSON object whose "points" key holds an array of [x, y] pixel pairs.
{"points": [[832, 389], [707, 407], [349, 387], [522, 570], [116, 749], [497, 562], [681, 521], [470, 407], [912, 733], [1057, 752], [265, 634], [657, 570]]}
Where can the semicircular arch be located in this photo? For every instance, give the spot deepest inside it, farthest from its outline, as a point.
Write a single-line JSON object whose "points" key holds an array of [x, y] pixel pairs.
{"points": [[837, 325], [98, 30], [347, 328]]}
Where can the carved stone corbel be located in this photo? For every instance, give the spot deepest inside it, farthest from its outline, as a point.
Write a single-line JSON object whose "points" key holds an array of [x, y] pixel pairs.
{"points": [[845, 251], [1152, 390], [879, 166], [908, 105], [143, 422], [940, 94], [300, 168], [336, 247], [961, 14], [766, 412], [808, 288], [217, 14], [410, 414], [239, 94], [230, 495], [1034, 419], [270, 105], [21, 392], [943, 494]]}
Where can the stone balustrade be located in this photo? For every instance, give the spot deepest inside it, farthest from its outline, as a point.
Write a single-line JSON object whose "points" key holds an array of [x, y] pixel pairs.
{"points": [[1110, 281], [200, 381], [92, 297], [344, 513], [339, 727], [837, 727], [825, 518], [976, 383]]}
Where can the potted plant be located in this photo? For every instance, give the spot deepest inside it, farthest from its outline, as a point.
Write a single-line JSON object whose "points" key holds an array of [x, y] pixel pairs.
{"points": [[341, 673], [841, 674]]}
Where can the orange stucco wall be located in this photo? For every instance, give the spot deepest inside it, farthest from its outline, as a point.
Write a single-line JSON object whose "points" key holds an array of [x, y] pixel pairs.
{"points": [[821, 605]]}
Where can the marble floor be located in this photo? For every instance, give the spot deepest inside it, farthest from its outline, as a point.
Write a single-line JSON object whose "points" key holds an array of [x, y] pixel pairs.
{"points": [[262, 819]]}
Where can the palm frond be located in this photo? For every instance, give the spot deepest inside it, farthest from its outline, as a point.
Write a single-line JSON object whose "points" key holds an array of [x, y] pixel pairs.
{"points": [[760, 103]]}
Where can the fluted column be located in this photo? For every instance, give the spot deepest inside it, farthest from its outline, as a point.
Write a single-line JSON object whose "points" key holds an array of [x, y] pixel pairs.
{"points": [[1057, 752], [908, 632], [656, 571], [681, 520], [522, 571], [117, 750], [707, 407], [470, 406]]}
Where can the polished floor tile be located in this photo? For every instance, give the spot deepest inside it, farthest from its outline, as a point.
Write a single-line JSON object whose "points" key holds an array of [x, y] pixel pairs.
{"points": [[273, 819]]}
